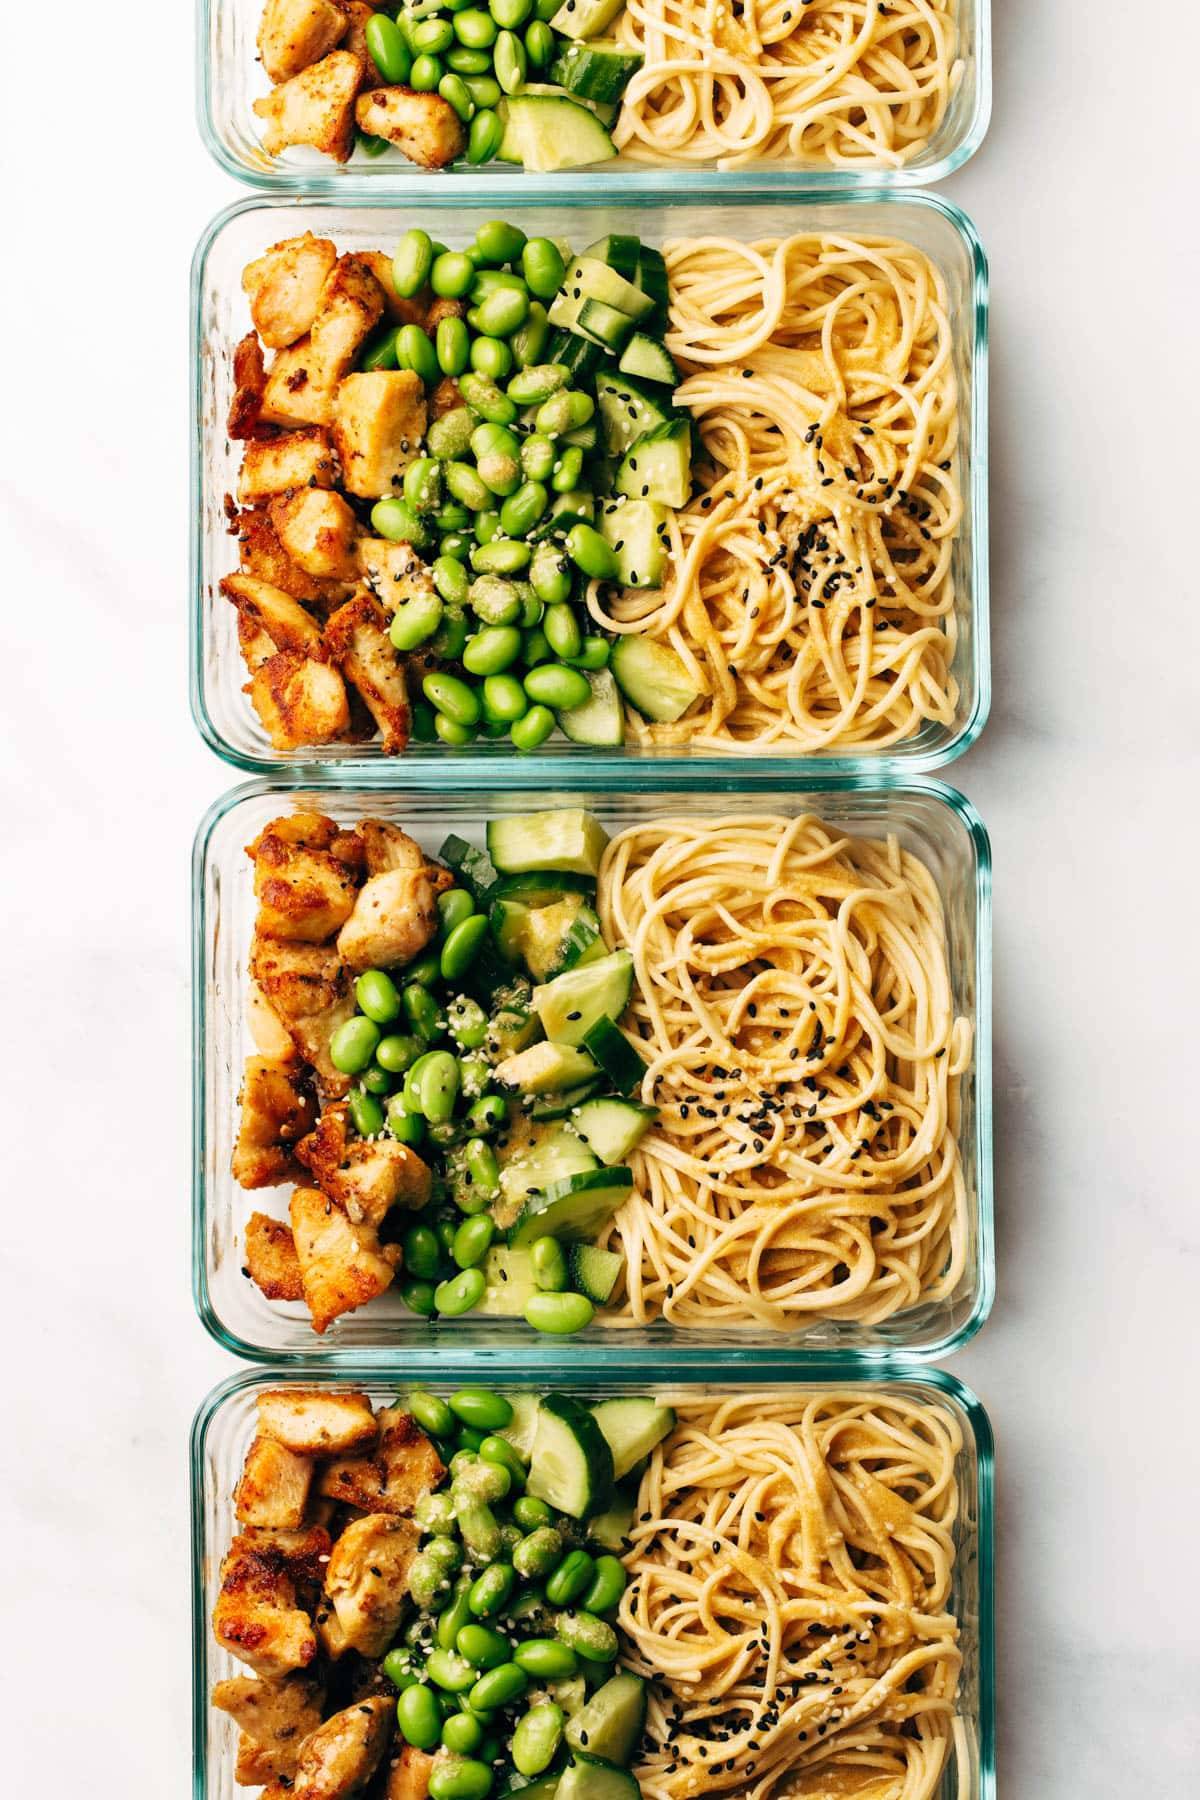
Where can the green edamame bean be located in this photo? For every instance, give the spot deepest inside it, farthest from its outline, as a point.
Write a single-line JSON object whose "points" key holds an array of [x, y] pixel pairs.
{"points": [[450, 1671], [504, 556], [377, 996], [541, 263], [376, 1080], [544, 10], [478, 1524], [457, 545], [510, 62], [554, 415], [465, 484], [502, 473], [594, 1639], [451, 581], [397, 1666], [486, 130], [423, 479], [467, 1024], [538, 456], [418, 1297], [435, 1513], [534, 647], [479, 1482], [537, 1737], [554, 684], [549, 1264], [491, 1590], [497, 241], [462, 1733], [417, 1712], [529, 343], [451, 697], [425, 74], [510, 13], [582, 408], [486, 1411], [531, 607], [451, 274], [451, 516], [450, 636], [482, 1647], [475, 28], [381, 352], [406, 1127], [448, 437], [395, 520], [526, 734], [451, 732], [412, 261], [462, 1292], [424, 969], [490, 1112], [499, 1687], [397, 1052], [491, 357], [498, 1450], [536, 382], [573, 1574], [440, 1077], [414, 621], [460, 1777], [453, 346], [504, 701], [494, 440], [593, 653], [484, 1170], [486, 399], [468, 62], [458, 953], [388, 50], [422, 1256], [432, 36], [589, 552], [546, 1659], [567, 470], [484, 90], [430, 1411], [366, 1114], [491, 650], [457, 1614], [522, 510], [454, 906], [353, 1045], [414, 351], [559, 1314], [539, 44], [608, 1584], [562, 632], [495, 601], [503, 311], [529, 1514], [539, 1553], [370, 146], [550, 573], [427, 1580], [472, 1241]]}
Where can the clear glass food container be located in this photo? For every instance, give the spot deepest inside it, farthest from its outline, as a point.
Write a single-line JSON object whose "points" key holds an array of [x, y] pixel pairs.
{"points": [[230, 78], [224, 1427], [933, 821], [220, 317]]}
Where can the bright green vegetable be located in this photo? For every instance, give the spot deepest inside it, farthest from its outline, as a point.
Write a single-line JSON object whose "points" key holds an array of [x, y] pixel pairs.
{"points": [[462, 1732], [536, 1555], [388, 50], [491, 651], [483, 139], [562, 631], [412, 262], [549, 1264], [425, 74], [472, 1241], [460, 1293], [559, 1314], [533, 729], [449, 1671], [395, 520], [588, 550], [554, 684], [510, 62], [504, 556], [353, 1045], [491, 1590], [451, 276], [499, 1687], [537, 1738], [452, 697], [377, 996], [460, 949], [482, 1647], [431, 36], [571, 1577], [417, 1713], [366, 1114], [491, 357], [459, 1778], [546, 1659], [453, 346], [594, 1639], [541, 263]]}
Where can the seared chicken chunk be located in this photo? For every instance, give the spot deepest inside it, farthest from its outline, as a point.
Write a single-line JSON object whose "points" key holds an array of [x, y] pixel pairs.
{"points": [[399, 310], [393, 572], [341, 1264], [267, 1029], [402, 1469], [308, 988], [284, 287], [445, 398], [276, 1111], [305, 874], [257, 1615], [315, 107], [317, 530], [408, 1775], [298, 700], [387, 847], [249, 386], [274, 1717], [352, 304], [317, 1421], [356, 638], [340, 1757], [313, 1035], [296, 392], [263, 556], [424, 126], [394, 917], [273, 1490], [378, 424], [295, 33], [366, 1177], [366, 1581], [271, 1258], [269, 610], [299, 459]]}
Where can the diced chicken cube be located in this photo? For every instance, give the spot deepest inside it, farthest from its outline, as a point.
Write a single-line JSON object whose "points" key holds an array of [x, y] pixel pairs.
{"points": [[271, 1258], [296, 391], [262, 555], [378, 424], [366, 1581], [393, 572], [394, 917], [399, 310], [269, 610], [284, 287], [305, 875], [339, 1758], [314, 107], [408, 1775], [273, 1490], [276, 1111], [341, 1263], [257, 1616], [249, 387], [299, 459], [356, 638], [267, 1029], [299, 701], [312, 1036], [387, 847], [300, 980], [317, 530], [352, 304], [366, 1177], [402, 1469], [317, 1421], [295, 33], [274, 1717], [424, 126]]}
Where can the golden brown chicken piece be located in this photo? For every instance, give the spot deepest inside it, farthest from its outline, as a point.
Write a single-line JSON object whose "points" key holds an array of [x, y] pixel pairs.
{"points": [[298, 700], [271, 1260], [274, 1718], [298, 459], [262, 555], [366, 1581], [366, 1176], [424, 126], [342, 1265], [273, 1490], [249, 386], [400, 310], [295, 393], [276, 1112], [299, 980], [314, 1034], [394, 917], [257, 1616], [318, 530], [267, 1029], [352, 304], [339, 1758], [356, 639], [305, 874], [317, 1421], [387, 847], [284, 287], [314, 107], [268, 610], [378, 424], [295, 33], [401, 1470], [393, 572], [408, 1775]]}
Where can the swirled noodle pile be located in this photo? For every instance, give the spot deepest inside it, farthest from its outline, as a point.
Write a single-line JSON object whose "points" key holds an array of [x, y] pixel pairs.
{"points": [[810, 588], [792, 1002], [790, 1574], [832, 83]]}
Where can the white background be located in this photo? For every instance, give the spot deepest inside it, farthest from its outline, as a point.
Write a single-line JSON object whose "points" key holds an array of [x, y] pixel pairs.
{"points": [[1087, 777]]}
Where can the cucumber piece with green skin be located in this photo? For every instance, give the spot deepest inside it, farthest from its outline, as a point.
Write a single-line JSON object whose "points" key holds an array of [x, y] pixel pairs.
{"points": [[636, 531], [601, 718], [627, 410], [645, 358], [568, 839], [509, 1277], [542, 1787], [594, 1272], [571, 1695], [611, 1529], [542, 887], [569, 1005], [584, 437], [597, 1781], [612, 1129], [575, 1210], [549, 131], [589, 279], [554, 1155], [610, 1726], [570, 1466], [659, 465], [507, 919], [614, 1054], [561, 1106], [472, 867], [632, 1425], [600, 69], [653, 677], [546, 1069], [652, 279], [585, 18], [522, 1427], [578, 354], [560, 937], [619, 250]]}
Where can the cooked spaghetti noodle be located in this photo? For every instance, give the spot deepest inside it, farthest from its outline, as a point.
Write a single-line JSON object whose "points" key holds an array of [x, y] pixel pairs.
{"points": [[833, 83], [810, 592], [790, 1579], [793, 1004]]}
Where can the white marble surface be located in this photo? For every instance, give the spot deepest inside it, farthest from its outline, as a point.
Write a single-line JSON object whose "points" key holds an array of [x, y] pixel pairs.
{"points": [[1087, 777]]}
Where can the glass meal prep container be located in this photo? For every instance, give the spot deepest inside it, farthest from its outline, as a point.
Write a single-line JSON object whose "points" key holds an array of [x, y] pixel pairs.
{"points": [[931, 820], [220, 317], [225, 1424], [230, 78]]}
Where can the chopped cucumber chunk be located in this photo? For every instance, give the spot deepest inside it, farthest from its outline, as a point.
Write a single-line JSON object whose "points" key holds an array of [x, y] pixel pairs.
{"points": [[653, 677], [619, 249], [594, 1272], [570, 1005], [645, 357], [600, 719], [521, 1428], [632, 1427], [610, 1529], [605, 324], [574, 1210], [627, 411], [571, 1464], [610, 1726], [614, 1053], [636, 530], [569, 839], [659, 465], [590, 279], [613, 1128], [552, 1155], [597, 1781], [546, 1069], [509, 1277], [585, 18], [550, 131]]}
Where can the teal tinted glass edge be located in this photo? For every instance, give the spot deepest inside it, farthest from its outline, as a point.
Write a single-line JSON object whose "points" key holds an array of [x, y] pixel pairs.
{"points": [[617, 1354], [566, 763], [326, 183], [447, 1372]]}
